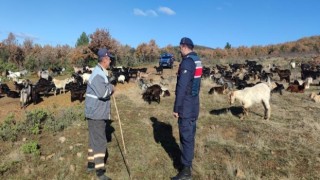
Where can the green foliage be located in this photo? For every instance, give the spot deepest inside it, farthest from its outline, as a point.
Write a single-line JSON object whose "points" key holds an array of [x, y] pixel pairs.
{"points": [[7, 66], [64, 119], [35, 119], [31, 147], [9, 129], [83, 40], [31, 63], [227, 46], [6, 166]]}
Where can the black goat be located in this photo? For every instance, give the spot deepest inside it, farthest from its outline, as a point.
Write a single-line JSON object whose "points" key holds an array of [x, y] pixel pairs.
{"points": [[278, 89], [77, 92], [159, 69], [152, 93]]}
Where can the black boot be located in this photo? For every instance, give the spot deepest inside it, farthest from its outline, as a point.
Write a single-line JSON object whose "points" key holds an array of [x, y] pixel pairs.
{"points": [[101, 175], [90, 166], [184, 174]]}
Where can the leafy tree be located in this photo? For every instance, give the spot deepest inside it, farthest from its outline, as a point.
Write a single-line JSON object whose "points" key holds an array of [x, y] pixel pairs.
{"points": [[101, 38], [227, 46], [148, 52], [83, 40]]}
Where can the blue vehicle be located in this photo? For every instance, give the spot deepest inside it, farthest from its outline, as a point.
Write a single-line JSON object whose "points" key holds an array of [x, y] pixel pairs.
{"points": [[166, 60]]}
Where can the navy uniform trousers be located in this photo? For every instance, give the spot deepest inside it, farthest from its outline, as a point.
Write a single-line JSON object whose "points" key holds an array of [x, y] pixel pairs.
{"points": [[187, 132]]}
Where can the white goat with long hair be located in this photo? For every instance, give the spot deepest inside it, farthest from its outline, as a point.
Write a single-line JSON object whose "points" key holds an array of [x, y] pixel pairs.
{"points": [[260, 93]]}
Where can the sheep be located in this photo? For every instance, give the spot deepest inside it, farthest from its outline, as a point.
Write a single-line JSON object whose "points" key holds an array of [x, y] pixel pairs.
{"points": [[315, 97], [61, 84], [259, 93]]}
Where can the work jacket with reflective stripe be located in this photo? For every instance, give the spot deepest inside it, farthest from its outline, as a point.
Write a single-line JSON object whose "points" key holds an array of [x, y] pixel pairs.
{"points": [[99, 90]]}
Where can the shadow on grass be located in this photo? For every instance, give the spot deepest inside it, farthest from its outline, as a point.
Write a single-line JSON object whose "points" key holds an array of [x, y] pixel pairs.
{"points": [[235, 111], [109, 131], [162, 133]]}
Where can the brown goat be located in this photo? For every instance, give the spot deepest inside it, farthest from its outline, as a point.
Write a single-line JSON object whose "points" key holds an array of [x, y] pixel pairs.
{"points": [[297, 88], [218, 89], [284, 74]]}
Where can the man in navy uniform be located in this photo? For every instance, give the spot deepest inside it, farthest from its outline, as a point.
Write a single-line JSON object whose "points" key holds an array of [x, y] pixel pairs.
{"points": [[186, 106]]}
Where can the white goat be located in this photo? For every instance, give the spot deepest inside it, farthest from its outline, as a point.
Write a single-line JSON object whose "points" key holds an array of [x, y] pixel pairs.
{"points": [[293, 64], [61, 84], [13, 75], [121, 79], [259, 93], [85, 77], [43, 74], [78, 69], [89, 68]]}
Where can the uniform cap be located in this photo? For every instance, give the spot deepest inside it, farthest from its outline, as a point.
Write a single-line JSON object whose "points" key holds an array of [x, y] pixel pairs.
{"points": [[186, 41]]}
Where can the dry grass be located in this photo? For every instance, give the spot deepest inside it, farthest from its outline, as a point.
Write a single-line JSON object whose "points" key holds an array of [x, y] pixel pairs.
{"points": [[285, 147]]}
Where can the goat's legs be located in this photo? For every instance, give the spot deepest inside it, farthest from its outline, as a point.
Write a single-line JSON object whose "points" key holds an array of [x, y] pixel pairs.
{"points": [[267, 110], [244, 113]]}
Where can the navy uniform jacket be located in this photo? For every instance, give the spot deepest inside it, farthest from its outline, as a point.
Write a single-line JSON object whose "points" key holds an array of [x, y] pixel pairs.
{"points": [[187, 103]]}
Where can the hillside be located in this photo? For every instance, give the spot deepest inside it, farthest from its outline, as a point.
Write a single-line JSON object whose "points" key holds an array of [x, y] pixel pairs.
{"points": [[285, 147]]}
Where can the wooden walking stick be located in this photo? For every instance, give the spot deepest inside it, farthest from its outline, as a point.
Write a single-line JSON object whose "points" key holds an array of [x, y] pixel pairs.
{"points": [[115, 104], [124, 146]]}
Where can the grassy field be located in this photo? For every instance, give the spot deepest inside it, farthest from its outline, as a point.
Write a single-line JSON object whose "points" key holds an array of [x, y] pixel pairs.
{"points": [[285, 147]]}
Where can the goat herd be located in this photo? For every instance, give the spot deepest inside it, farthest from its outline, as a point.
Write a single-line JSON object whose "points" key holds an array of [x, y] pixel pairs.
{"points": [[248, 83], [76, 84], [236, 77]]}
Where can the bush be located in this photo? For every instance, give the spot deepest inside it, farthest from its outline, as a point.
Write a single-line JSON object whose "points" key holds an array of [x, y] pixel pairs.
{"points": [[31, 147], [35, 120], [9, 130], [64, 119]]}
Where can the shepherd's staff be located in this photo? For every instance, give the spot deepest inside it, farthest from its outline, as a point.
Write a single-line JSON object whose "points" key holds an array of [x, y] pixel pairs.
{"points": [[124, 146], [115, 104]]}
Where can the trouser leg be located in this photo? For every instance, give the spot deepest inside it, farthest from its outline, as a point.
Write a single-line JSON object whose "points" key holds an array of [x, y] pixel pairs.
{"points": [[187, 130], [98, 142]]}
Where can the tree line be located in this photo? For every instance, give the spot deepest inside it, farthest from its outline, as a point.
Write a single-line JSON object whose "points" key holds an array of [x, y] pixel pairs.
{"points": [[31, 56]]}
